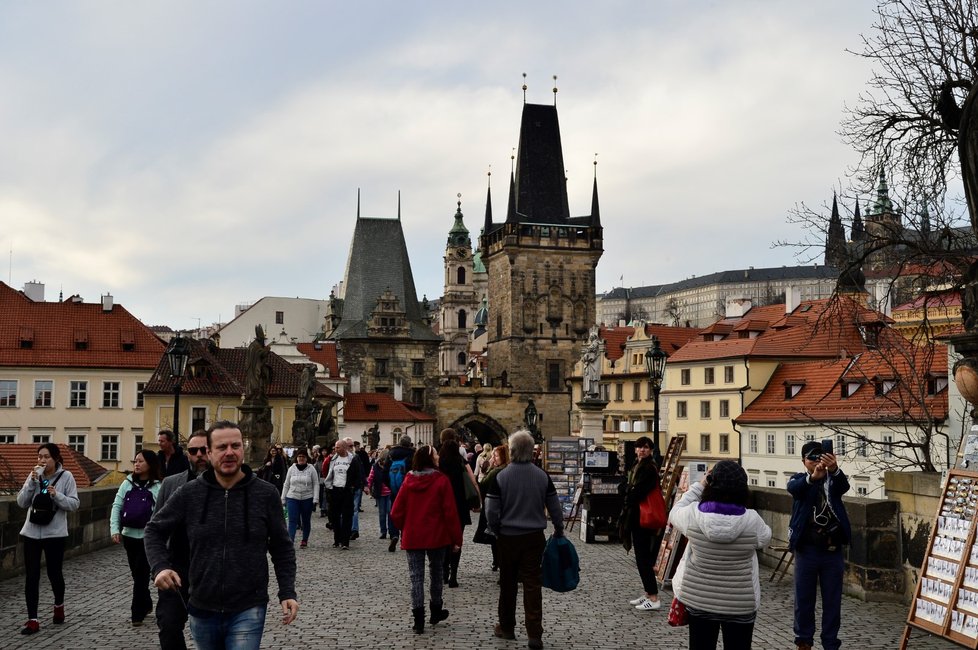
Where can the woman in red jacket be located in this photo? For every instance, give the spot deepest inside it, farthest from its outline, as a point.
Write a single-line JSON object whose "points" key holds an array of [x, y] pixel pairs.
{"points": [[424, 511]]}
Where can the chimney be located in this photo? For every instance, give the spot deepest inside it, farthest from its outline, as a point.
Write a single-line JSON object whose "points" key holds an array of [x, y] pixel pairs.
{"points": [[792, 298], [34, 290], [107, 302], [884, 302], [737, 307]]}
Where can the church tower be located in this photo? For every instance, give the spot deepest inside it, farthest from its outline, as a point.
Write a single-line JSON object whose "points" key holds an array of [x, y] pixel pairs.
{"points": [[460, 300], [541, 264]]}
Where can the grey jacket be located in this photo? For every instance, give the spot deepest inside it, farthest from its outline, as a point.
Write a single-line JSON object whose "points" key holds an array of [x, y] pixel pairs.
{"points": [[65, 498], [515, 501], [230, 532]]}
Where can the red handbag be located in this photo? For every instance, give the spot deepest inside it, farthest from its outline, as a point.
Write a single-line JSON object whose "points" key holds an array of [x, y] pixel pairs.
{"points": [[678, 616], [652, 511]]}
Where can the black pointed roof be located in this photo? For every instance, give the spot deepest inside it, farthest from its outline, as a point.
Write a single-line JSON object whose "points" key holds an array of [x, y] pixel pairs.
{"points": [[541, 187], [379, 261]]}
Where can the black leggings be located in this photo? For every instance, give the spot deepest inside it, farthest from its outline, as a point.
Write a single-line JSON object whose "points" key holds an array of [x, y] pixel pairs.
{"points": [[703, 634], [54, 552], [645, 547]]}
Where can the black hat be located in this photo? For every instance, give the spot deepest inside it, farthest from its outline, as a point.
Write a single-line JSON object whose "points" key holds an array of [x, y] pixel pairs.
{"points": [[726, 475], [811, 446]]}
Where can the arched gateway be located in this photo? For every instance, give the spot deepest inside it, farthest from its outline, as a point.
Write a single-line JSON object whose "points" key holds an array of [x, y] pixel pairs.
{"points": [[481, 427]]}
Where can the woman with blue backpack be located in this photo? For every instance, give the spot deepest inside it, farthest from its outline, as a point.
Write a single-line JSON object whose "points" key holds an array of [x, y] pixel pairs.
{"points": [[131, 511]]}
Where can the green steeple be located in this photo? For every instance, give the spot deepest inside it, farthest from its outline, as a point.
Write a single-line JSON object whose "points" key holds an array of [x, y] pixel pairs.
{"points": [[883, 204], [459, 234]]}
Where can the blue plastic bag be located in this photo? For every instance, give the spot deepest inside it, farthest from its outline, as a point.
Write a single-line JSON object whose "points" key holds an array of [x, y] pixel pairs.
{"points": [[561, 568]]}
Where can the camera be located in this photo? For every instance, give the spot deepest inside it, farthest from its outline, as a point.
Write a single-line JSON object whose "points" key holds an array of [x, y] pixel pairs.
{"points": [[827, 446]]}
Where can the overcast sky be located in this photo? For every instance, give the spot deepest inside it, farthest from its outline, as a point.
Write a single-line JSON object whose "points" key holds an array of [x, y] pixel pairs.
{"points": [[189, 156]]}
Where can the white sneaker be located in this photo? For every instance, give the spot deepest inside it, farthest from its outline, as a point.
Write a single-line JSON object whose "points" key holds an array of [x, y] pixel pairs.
{"points": [[649, 605], [637, 601]]}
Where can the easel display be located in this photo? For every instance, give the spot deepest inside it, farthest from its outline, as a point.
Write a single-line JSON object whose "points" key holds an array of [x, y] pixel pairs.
{"points": [[673, 543], [945, 601]]}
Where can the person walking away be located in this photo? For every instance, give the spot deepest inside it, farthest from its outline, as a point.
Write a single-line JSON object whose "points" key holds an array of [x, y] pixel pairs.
{"points": [[818, 533], [172, 460], [381, 493], [399, 462], [364, 460], [425, 513], [454, 466], [46, 529], [171, 608], [131, 511], [344, 477], [274, 467], [515, 507], [718, 579], [300, 495], [642, 479], [233, 523], [323, 492], [498, 460]]}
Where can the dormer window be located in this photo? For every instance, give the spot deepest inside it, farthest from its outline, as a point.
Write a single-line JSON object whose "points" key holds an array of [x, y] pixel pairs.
{"points": [[849, 388], [883, 386], [792, 387], [128, 341], [81, 340], [936, 384]]}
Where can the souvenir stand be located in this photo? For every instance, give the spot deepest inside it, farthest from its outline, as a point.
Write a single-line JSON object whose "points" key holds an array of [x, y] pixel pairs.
{"points": [[564, 462]]}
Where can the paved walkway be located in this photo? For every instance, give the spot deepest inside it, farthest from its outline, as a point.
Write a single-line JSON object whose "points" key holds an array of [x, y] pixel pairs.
{"points": [[361, 598]]}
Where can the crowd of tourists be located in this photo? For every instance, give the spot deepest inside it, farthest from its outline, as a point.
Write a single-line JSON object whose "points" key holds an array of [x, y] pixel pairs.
{"points": [[181, 514]]}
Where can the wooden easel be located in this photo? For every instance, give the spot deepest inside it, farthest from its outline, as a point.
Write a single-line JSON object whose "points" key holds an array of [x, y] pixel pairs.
{"points": [[670, 470], [575, 513]]}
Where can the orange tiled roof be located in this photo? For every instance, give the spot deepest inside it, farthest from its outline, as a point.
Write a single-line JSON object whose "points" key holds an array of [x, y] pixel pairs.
{"points": [[51, 334], [18, 460], [670, 338], [820, 398], [381, 407], [323, 353], [614, 341], [942, 299]]}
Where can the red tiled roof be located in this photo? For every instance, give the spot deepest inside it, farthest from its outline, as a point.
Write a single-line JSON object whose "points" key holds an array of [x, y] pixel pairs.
{"points": [[705, 350], [821, 400], [381, 407], [614, 341], [221, 371], [942, 299], [323, 353], [670, 338], [18, 460], [52, 330]]}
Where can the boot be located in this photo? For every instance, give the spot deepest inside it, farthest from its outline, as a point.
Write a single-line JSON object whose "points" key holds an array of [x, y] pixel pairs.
{"points": [[418, 619], [437, 613], [453, 576]]}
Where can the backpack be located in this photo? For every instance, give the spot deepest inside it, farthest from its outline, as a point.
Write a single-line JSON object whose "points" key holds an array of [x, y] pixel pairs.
{"points": [[561, 568], [396, 473], [137, 507], [43, 507]]}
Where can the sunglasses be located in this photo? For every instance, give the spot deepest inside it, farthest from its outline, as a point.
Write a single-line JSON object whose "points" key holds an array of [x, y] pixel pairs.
{"points": [[193, 451], [814, 456]]}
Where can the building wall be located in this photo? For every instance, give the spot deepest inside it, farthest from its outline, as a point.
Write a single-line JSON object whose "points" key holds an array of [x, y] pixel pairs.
{"points": [[158, 414], [87, 426], [359, 359], [301, 318]]}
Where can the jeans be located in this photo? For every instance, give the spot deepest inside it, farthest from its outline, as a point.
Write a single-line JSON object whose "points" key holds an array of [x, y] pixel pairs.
{"points": [[436, 558], [54, 552], [357, 498], [142, 602], [814, 569], [342, 508], [384, 513], [703, 634], [240, 631], [520, 557], [391, 528], [300, 510], [643, 543], [171, 615]]}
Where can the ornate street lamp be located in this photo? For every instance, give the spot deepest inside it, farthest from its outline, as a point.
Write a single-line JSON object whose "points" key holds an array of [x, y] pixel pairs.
{"points": [[530, 417], [655, 363], [178, 354]]}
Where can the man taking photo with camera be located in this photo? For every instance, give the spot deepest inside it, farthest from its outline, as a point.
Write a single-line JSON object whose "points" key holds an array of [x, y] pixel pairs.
{"points": [[818, 532]]}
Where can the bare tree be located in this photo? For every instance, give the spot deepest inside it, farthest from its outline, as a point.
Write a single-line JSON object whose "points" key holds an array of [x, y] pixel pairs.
{"points": [[674, 312]]}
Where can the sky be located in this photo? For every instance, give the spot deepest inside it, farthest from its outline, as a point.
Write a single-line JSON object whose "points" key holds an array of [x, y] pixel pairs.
{"points": [[188, 156]]}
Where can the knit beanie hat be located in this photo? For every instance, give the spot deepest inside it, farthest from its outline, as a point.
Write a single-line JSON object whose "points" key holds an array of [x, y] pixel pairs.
{"points": [[809, 447], [727, 474]]}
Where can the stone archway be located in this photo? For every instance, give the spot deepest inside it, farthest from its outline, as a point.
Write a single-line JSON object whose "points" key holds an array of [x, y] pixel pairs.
{"points": [[482, 427]]}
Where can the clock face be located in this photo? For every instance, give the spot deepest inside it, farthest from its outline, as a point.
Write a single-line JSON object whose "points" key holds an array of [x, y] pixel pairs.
{"points": [[460, 253]]}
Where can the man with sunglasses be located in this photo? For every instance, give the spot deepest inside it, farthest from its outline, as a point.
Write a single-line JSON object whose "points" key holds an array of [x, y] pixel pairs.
{"points": [[171, 611], [818, 532]]}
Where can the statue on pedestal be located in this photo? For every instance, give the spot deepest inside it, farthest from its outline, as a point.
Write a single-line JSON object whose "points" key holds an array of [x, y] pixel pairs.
{"points": [[591, 365]]}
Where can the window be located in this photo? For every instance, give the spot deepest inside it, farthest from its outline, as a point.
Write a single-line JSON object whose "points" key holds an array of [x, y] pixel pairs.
{"points": [[887, 445], [770, 444], [752, 442], [417, 365], [417, 396], [861, 490], [728, 374], [380, 367], [605, 390], [840, 445], [198, 418], [140, 387], [77, 442], [461, 319], [110, 447], [138, 442], [771, 482], [280, 318], [809, 436], [43, 391], [78, 394], [460, 359], [792, 388], [707, 375], [936, 385], [555, 374], [41, 438], [684, 376], [615, 424], [884, 386], [705, 409], [725, 408], [637, 391], [724, 443], [460, 275], [7, 438], [753, 480], [704, 442], [8, 392], [681, 409], [862, 447], [849, 388], [110, 394], [789, 443], [619, 387]]}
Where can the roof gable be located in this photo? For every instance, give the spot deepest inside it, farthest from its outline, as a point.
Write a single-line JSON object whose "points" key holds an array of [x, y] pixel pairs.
{"points": [[19, 460], [381, 407]]}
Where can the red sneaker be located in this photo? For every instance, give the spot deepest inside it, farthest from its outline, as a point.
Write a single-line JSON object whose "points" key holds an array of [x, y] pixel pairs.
{"points": [[59, 614], [31, 627], [303, 544]]}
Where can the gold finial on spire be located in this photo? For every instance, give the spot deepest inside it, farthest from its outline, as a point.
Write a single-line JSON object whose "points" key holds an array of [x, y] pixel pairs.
{"points": [[524, 87], [555, 90]]}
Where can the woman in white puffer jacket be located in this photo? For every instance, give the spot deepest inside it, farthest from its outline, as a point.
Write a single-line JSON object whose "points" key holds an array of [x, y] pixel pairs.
{"points": [[718, 579]]}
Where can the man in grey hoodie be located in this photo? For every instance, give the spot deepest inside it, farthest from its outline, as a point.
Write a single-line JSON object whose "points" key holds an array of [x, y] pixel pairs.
{"points": [[233, 521]]}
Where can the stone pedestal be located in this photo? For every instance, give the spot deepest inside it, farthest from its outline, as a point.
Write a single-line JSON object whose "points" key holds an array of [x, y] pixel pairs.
{"points": [[255, 421], [592, 419]]}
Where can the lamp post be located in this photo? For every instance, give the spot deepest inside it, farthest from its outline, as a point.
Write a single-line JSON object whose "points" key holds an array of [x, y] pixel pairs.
{"points": [[177, 353], [655, 363], [530, 417]]}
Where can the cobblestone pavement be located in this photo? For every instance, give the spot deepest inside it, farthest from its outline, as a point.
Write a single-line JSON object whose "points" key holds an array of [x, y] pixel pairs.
{"points": [[361, 598]]}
